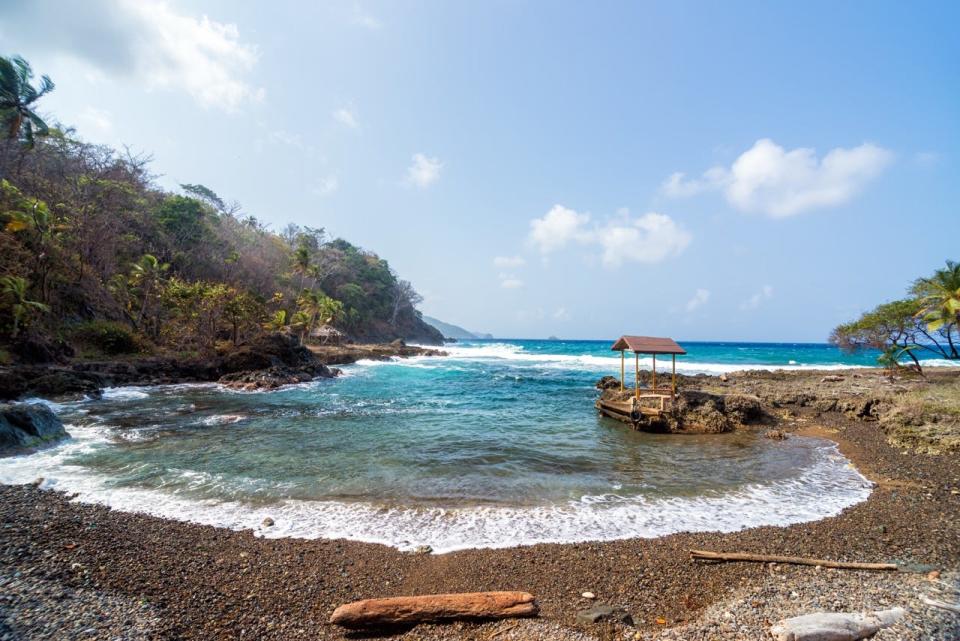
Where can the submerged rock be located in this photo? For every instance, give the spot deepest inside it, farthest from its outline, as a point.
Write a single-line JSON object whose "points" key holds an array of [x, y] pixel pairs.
{"points": [[24, 427]]}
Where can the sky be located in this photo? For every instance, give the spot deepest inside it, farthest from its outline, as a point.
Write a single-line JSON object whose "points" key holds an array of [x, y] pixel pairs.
{"points": [[709, 171]]}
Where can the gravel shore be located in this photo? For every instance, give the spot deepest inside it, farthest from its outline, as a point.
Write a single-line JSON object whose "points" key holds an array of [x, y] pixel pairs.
{"points": [[75, 571]]}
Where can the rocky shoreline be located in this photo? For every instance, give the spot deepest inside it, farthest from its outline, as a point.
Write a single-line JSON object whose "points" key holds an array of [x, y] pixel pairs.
{"points": [[150, 578], [269, 362]]}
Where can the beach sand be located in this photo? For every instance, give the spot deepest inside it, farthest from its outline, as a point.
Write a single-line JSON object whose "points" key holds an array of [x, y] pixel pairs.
{"points": [[69, 570]]}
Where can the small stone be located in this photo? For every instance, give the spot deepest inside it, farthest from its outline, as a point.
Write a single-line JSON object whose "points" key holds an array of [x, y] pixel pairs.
{"points": [[267, 522], [599, 613], [423, 549], [589, 595], [933, 575]]}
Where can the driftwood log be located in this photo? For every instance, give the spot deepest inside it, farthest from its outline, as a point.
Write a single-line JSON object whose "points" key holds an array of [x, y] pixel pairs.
{"points": [[435, 607], [793, 560]]}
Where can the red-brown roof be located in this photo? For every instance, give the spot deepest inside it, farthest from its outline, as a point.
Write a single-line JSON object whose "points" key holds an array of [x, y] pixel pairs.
{"points": [[648, 345]]}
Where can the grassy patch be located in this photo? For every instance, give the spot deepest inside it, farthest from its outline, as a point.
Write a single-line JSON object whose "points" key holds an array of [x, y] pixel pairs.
{"points": [[926, 419]]}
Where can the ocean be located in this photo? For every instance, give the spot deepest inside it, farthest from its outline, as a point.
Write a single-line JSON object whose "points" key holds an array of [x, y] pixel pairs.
{"points": [[497, 444]]}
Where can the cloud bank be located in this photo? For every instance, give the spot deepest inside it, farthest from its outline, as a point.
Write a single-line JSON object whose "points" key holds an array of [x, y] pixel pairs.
{"points": [[141, 40], [770, 180], [649, 238]]}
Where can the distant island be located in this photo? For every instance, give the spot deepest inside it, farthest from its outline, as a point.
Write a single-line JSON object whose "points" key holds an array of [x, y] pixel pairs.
{"points": [[452, 331]]}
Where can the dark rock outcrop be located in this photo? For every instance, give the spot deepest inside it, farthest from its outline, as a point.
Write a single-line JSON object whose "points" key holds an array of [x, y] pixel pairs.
{"points": [[608, 382], [280, 356], [271, 350], [277, 376], [345, 354], [24, 426], [691, 411]]}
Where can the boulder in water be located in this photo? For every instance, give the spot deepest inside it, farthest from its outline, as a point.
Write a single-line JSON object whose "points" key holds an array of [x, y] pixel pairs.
{"points": [[25, 426]]}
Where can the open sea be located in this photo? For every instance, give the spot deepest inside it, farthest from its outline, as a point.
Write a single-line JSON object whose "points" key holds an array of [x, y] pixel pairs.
{"points": [[496, 445]]}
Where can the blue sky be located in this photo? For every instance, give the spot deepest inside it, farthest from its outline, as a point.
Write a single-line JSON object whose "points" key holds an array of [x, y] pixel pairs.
{"points": [[713, 171]]}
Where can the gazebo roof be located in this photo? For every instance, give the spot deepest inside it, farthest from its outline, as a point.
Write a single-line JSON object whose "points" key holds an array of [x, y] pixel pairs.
{"points": [[648, 345]]}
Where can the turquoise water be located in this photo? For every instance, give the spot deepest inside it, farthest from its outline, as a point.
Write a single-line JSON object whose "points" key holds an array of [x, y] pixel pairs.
{"points": [[497, 444]]}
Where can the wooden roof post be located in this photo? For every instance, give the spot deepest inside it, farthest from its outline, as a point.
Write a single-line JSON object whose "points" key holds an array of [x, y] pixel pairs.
{"points": [[636, 374], [674, 386], [621, 368], [654, 372]]}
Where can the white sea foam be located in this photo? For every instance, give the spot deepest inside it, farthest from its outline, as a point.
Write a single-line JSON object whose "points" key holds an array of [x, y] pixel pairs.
{"points": [[824, 489], [222, 419], [129, 393], [509, 353]]}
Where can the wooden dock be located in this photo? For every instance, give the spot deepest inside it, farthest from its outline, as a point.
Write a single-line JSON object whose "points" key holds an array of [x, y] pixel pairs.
{"points": [[641, 405], [647, 404]]}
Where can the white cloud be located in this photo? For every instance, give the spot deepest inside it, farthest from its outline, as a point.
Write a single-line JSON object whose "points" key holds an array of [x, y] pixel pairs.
{"points": [[509, 262], [424, 171], [144, 40], [282, 137], [509, 281], [700, 298], [327, 185], [646, 239], [561, 314], [679, 186], [771, 180], [98, 119], [754, 301], [346, 117], [365, 19], [557, 228]]}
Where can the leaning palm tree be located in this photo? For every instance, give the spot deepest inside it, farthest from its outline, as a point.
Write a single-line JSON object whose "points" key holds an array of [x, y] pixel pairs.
{"points": [[17, 99], [14, 290], [940, 301]]}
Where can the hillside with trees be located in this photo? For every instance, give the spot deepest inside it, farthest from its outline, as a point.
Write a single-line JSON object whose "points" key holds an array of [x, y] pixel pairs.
{"points": [[96, 259]]}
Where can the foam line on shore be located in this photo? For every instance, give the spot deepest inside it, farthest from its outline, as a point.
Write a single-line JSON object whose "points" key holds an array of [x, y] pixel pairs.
{"points": [[822, 490]]}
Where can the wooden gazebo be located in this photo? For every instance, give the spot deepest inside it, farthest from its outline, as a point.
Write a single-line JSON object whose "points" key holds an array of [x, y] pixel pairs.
{"points": [[649, 345]]}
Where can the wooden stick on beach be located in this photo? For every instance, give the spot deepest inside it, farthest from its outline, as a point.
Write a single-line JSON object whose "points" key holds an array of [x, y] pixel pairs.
{"points": [[794, 560], [435, 607]]}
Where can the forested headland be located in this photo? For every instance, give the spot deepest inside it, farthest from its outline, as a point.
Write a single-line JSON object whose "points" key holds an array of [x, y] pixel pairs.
{"points": [[97, 260]]}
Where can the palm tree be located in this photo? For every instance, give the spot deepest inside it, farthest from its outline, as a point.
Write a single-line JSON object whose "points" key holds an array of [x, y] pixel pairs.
{"points": [[316, 308], [940, 300], [17, 97], [146, 274], [301, 263], [14, 289]]}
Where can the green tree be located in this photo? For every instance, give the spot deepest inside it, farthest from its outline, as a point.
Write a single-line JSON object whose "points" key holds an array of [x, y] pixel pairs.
{"points": [[243, 313], [182, 218], [316, 308], [15, 292], [939, 297], [18, 98]]}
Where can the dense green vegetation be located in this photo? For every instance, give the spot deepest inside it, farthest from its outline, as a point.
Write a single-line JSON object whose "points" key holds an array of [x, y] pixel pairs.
{"points": [[94, 255], [927, 320]]}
